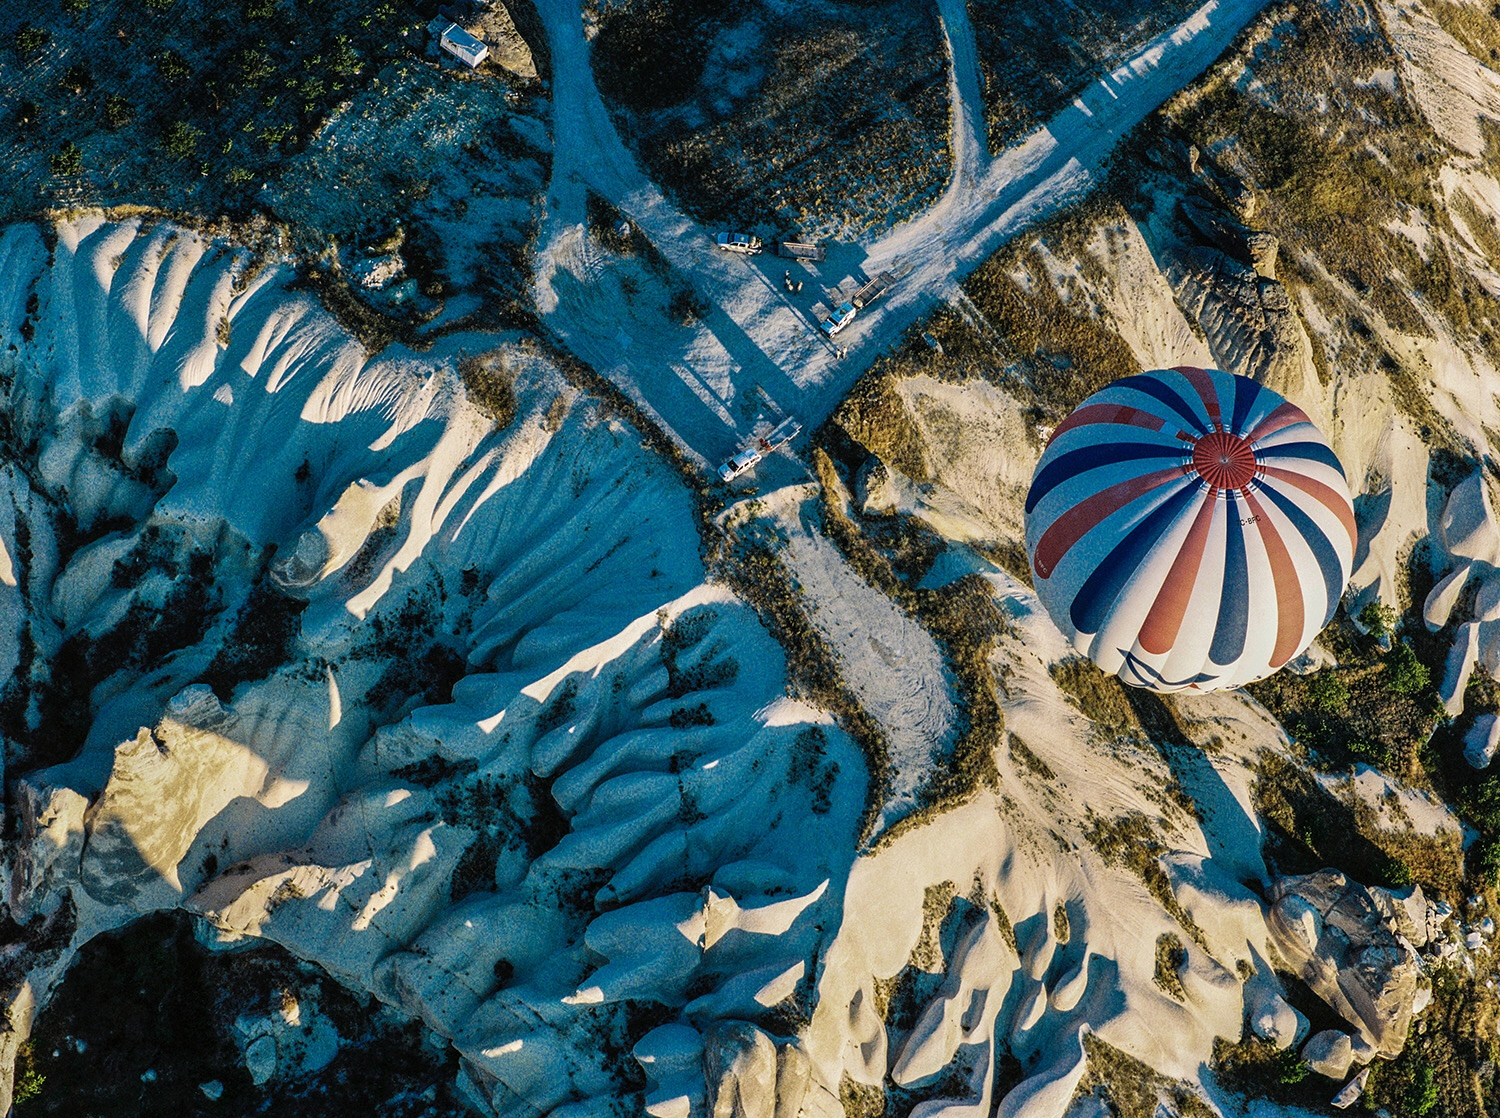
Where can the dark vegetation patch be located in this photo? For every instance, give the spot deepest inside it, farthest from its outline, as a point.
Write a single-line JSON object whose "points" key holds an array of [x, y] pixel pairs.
{"points": [[1034, 61], [811, 765], [1309, 828], [1068, 353], [1171, 958], [1255, 1068], [829, 119], [264, 635], [509, 813], [190, 102], [1101, 697], [1377, 708], [151, 999], [1447, 1067]]}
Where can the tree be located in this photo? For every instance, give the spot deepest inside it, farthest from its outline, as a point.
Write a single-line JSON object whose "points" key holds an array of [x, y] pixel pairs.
{"points": [[77, 79], [67, 160], [29, 40], [1405, 674], [117, 112], [173, 67], [1328, 692], [1378, 619], [180, 139]]}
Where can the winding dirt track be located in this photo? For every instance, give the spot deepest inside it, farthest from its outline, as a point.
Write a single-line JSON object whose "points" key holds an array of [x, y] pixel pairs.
{"points": [[764, 346]]}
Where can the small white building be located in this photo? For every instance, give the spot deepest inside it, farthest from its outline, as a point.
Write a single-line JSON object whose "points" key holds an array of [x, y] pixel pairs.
{"points": [[458, 42]]}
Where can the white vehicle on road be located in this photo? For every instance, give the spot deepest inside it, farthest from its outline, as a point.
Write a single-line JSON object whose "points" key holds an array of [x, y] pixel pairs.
{"points": [[747, 459], [743, 461], [842, 315], [747, 243]]}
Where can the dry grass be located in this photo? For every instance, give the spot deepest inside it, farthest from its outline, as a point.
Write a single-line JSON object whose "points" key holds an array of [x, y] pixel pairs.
{"points": [[1066, 354], [1171, 958], [1131, 1089], [490, 386], [1035, 60], [1100, 697], [1132, 841]]}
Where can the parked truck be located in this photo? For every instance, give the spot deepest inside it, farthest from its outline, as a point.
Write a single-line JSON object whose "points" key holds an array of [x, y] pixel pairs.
{"points": [[748, 458], [746, 243], [842, 315]]}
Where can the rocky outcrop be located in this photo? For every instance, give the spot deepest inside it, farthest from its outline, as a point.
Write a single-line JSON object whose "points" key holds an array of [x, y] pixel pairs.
{"points": [[1352, 946], [1246, 317], [1274, 1020], [748, 1076], [1329, 1053]]}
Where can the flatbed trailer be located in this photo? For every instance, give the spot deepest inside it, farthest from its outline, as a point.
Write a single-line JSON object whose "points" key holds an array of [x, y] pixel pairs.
{"points": [[801, 250], [872, 290]]}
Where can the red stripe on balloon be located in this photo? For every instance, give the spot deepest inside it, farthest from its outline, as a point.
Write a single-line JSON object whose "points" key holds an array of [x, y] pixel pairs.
{"points": [[1159, 632], [1325, 495], [1109, 413], [1285, 415], [1070, 527], [1289, 608], [1203, 384]]}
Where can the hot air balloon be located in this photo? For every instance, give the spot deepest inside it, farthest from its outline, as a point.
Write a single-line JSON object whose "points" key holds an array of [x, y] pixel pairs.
{"points": [[1189, 528]]}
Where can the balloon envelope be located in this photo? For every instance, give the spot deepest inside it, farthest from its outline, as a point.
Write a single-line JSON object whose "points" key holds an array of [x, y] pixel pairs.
{"points": [[1189, 528]]}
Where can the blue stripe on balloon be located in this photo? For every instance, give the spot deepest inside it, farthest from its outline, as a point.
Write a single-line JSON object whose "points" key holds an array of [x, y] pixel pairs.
{"points": [[1246, 392], [1153, 387], [1323, 550], [1234, 600], [1315, 452], [1075, 462], [1097, 596]]}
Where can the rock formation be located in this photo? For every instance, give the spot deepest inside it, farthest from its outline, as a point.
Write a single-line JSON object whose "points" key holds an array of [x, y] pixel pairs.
{"points": [[1350, 945]]}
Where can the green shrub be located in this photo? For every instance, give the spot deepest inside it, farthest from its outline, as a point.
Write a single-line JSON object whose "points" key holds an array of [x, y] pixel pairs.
{"points": [[260, 9], [117, 112], [1378, 619], [29, 1084], [180, 139], [67, 160], [29, 40], [1328, 692], [173, 67], [77, 79], [1291, 1068], [1405, 674]]}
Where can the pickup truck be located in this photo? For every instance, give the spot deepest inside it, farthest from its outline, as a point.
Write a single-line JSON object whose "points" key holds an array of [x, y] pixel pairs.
{"points": [[842, 315], [783, 433], [746, 243], [744, 460]]}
